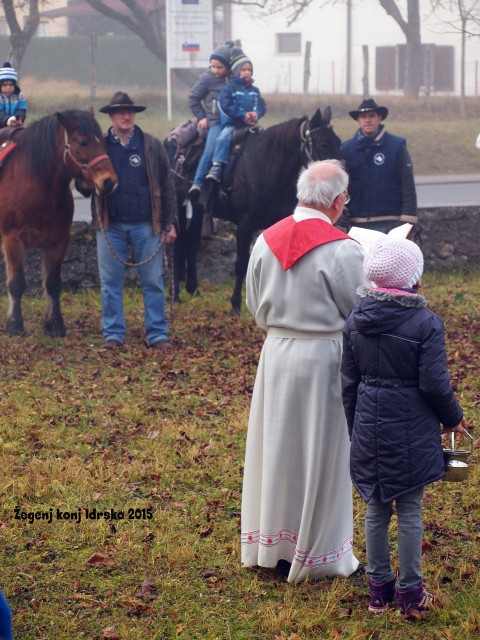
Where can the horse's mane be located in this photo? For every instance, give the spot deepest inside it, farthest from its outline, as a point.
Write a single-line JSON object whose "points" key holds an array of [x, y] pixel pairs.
{"points": [[39, 142], [280, 137]]}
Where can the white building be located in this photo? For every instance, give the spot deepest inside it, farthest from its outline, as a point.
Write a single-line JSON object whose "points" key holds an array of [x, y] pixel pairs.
{"points": [[278, 50]]}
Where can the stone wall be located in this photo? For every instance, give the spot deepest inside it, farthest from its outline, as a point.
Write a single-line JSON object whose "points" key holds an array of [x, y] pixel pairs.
{"points": [[449, 238]]}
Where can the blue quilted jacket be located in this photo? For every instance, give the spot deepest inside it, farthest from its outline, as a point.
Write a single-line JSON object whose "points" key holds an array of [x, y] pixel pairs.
{"points": [[237, 99], [396, 393]]}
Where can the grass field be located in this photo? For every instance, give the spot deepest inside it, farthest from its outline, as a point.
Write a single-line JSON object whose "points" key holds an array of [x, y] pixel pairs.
{"points": [[156, 441], [439, 141]]}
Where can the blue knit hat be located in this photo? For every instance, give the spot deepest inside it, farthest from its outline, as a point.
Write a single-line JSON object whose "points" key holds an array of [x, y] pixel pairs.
{"points": [[238, 59], [223, 53], [7, 72]]}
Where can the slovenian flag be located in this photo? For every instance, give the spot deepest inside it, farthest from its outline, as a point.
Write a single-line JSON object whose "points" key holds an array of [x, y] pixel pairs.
{"points": [[190, 47]]}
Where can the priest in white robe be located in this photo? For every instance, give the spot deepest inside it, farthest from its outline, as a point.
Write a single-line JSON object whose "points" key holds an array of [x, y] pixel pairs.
{"points": [[297, 512]]}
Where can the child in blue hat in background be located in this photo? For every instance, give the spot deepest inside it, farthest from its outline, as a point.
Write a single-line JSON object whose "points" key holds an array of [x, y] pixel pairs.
{"points": [[13, 105]]}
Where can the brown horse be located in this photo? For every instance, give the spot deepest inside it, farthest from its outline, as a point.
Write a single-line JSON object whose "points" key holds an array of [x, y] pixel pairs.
{"points": [[36, 205]]}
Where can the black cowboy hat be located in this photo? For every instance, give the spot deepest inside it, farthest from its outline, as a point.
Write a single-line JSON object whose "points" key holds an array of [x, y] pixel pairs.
{"points": [[369, 106], [121, 102]]}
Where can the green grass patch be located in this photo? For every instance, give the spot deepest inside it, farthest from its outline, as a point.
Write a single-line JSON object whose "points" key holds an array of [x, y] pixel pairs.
{"points": [[135, 433]]}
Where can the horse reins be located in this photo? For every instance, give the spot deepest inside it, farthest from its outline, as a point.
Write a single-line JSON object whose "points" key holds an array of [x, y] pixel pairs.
{"points": [[167, 255], [84, 167]]}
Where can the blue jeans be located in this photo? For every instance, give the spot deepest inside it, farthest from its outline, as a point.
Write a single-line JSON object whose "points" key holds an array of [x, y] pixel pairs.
{"points": [[138, 235], [410, 531], [205, 161], [222, 146]]}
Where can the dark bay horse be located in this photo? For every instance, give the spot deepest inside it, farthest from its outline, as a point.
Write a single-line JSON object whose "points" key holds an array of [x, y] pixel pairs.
{"points": [[264, 186], [36, 204]]}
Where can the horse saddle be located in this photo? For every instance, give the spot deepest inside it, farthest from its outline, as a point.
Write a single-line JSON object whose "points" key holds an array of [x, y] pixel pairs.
{"points": [[185, 158], [8, 137], [239, 138]]}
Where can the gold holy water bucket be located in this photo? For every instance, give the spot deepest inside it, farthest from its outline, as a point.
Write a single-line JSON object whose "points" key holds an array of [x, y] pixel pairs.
{"points": [[456, 460]]}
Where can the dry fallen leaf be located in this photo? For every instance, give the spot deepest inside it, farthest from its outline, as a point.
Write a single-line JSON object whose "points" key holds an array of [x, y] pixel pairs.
{"points": [[148, 588], [35, 604], [99, 560], [109, 633]]}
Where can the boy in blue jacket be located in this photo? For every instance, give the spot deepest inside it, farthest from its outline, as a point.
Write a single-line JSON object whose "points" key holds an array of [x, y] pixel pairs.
{"points": [[396, 393], [203, 102], [240, 104]]}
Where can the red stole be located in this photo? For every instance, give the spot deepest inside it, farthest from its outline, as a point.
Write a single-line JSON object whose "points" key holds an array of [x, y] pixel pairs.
{"points": [[290, 240]]}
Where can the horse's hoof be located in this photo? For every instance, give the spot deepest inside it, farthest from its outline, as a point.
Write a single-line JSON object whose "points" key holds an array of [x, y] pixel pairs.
{"points": [[234, 312], [15, 329], [15, 333], [192, 289], [55, 331]]}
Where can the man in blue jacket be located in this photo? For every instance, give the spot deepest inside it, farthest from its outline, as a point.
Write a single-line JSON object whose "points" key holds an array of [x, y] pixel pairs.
{"points": [[139, 216], [382, 184]]}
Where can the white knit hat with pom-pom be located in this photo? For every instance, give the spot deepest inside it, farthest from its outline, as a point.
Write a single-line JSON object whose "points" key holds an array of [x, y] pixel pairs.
{"points": [[394, 263]]}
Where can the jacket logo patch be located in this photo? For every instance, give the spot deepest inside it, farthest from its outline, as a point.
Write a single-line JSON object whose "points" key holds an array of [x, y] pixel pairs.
{"points": [[379, 158], [135, 160]]}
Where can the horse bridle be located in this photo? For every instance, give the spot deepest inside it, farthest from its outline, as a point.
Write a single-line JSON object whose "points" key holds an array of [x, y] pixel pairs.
{"points": [[306, 142], [84, 167]]}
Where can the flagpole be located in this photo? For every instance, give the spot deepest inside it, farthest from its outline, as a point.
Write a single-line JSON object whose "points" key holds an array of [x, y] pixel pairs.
{"points": [[167, 59]]}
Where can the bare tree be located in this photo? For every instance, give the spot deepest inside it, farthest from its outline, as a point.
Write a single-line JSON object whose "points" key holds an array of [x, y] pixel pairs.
{"points": [[412, 31], [20, 38], [148, 25]]}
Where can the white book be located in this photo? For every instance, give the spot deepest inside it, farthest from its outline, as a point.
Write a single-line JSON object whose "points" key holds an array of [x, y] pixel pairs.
{"points": [[366, 237]]}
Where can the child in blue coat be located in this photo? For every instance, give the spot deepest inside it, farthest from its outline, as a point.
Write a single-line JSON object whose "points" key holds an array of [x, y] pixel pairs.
{"points": [[396, 393], [240, 104], [13, 105], [203, 102]]}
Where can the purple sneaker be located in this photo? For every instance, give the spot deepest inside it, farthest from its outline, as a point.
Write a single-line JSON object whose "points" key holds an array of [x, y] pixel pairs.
{"points": [[414, 603], [382, 595]]}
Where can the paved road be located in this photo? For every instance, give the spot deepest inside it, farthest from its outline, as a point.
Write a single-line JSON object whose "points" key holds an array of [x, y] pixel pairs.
{"points": [[432, 191], [448, 191]]}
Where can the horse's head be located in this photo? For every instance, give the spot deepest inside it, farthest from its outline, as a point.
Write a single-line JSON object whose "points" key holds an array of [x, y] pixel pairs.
{"points": [[319, 140], [84, 152]]}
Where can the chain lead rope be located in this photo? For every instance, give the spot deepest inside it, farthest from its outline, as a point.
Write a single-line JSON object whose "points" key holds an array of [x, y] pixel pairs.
{"points": [[167, 262]]}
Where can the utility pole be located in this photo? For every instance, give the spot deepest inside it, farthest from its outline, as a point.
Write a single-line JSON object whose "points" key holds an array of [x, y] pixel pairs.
{"points": [[348, 87]]}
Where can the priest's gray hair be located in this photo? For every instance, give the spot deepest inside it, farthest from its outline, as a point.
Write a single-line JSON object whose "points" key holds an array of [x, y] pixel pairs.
{"points": [[321, 182]]}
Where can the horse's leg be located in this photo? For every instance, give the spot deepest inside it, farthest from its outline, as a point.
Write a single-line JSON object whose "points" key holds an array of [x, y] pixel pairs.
{"points": [[52, 284], [193, 238], [14, 255], [179, 258], [244, 240]]}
